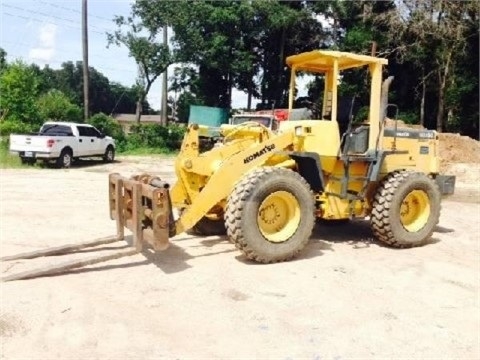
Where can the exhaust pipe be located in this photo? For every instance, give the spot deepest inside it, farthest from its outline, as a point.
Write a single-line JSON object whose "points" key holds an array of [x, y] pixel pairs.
{"points": [[384, 98]]}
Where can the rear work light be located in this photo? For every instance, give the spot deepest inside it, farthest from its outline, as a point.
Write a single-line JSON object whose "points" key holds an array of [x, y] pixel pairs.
{"points": [[50, 143]]}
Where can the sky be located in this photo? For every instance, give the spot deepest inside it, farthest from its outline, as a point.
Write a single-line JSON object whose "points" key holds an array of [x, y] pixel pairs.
{"points": [[49, 32]]}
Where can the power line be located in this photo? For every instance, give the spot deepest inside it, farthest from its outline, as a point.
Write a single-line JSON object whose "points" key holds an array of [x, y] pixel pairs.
{"points": [[68, 21], [63, 50], [74, 10]]}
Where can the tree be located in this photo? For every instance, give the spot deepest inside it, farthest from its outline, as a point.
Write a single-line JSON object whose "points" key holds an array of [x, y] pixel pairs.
{"points": [[240, 44], [151, 56], [3, 60], [433, 32], [19, 90], [56, 106]]}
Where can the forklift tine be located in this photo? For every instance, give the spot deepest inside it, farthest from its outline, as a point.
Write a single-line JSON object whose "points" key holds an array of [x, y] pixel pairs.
{"points": [[61, 249], [68, 265]]}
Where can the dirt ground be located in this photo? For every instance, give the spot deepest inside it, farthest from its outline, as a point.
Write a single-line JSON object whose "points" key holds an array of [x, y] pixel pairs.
{"points": [[346, 296]]}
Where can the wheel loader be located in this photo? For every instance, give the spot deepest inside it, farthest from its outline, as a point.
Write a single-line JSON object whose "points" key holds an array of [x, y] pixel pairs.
{"points": [[266, 190]]}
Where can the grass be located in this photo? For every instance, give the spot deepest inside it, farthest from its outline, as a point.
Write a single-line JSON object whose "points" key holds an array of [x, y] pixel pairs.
{"points": [[7, 160], [148, 151]]}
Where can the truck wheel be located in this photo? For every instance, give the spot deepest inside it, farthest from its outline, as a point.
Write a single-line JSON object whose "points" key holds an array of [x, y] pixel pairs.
{"points": [[109, 155], [270, 214], [65, 159], [406, 209]]}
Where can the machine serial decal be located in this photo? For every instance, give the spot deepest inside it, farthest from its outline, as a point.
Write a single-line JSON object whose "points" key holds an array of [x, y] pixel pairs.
{"points": [[412, 134], [259, 153]]}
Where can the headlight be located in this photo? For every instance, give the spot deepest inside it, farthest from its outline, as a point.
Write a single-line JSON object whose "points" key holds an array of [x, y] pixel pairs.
{"points": [[298, 131]]}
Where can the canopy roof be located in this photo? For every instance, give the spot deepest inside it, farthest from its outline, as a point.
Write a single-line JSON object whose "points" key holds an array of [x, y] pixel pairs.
{"points": [[322, 60]]}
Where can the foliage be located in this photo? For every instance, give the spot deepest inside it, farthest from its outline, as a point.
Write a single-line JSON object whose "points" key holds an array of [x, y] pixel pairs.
{"points": [[56, 106], [19, 90], [152, 57], [433, 36], [183, 105], [238, 44], [3, 60], [10, 126], [109, 127], [408, 117], [166, 138]]}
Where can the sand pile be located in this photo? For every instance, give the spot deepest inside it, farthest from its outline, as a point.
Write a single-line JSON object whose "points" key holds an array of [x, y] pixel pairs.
{"points": [[455, 148]]}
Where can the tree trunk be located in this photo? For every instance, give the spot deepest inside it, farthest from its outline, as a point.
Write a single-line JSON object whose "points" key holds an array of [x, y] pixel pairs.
{"points": [[138, 110], [278, 91], [442, 80], [441, 101], [249, 100], [229, 90], [422, 102]]}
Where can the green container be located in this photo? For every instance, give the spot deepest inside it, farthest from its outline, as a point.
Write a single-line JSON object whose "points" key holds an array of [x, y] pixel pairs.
{"points": [[207, 115]]}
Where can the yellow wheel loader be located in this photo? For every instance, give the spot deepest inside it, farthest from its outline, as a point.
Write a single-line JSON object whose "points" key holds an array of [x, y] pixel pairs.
{"points": [[266, 190]]}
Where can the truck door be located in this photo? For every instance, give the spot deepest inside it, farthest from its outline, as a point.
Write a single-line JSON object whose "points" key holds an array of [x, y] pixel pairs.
{"points": [[86, 142], [99, 142]]}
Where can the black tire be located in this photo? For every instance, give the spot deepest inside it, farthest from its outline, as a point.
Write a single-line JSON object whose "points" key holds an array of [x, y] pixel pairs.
{"points": [[208, 227], [386, 217], [27, 161], [109, 155], [242, 211], [65, 159]]}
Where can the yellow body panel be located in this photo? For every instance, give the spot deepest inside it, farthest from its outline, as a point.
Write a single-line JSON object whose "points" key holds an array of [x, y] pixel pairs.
{"points": [[200, 194], [333, 207], [423, 153]]}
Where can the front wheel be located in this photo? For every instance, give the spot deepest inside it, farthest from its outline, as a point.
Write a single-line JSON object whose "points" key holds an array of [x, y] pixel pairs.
{"points": [[406, 209], [109, 155], [270, 214]]}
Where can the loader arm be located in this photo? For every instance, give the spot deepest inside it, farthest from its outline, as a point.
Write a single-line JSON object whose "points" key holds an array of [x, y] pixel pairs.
{"points": [[228, 172]]}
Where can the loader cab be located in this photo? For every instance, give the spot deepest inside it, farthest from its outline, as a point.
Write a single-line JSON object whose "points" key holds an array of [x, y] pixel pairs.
{"points": [[364, 138]]}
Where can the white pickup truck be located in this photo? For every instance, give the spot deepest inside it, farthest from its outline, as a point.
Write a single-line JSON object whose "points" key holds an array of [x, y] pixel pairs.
{"points": [[63, 142]]}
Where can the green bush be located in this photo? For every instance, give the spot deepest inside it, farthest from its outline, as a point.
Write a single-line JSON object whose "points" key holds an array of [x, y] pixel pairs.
{"points": [[155, 136], [409, 118], [56, 106], [109, 127], [8, 127]]}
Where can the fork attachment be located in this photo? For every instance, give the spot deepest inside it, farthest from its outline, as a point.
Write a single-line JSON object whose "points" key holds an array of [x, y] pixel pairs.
{"points": [[142, 204]]}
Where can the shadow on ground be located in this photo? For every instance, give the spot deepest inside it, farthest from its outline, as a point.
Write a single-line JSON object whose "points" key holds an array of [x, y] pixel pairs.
{"points": [[175, 259]]}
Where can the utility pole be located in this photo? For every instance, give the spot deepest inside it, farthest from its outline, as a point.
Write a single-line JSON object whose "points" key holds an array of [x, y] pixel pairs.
{"points": [[85, 60], [164, 85]]}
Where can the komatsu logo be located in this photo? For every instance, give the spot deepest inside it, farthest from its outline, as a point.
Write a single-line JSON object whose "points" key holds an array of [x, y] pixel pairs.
{"points": [[259, 153]]}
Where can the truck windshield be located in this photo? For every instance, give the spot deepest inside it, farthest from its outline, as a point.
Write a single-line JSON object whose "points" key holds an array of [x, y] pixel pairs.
{"points": [[54, 129], [265, 121]]}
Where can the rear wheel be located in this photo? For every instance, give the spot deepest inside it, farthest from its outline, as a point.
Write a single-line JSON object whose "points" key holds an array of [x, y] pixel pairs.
{"points": [[270, 214], [406, 209], [65, 159]]}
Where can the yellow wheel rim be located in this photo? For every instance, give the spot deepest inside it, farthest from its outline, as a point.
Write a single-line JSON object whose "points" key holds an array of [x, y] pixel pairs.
{"points": [[415, 210], [279, 216]]}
